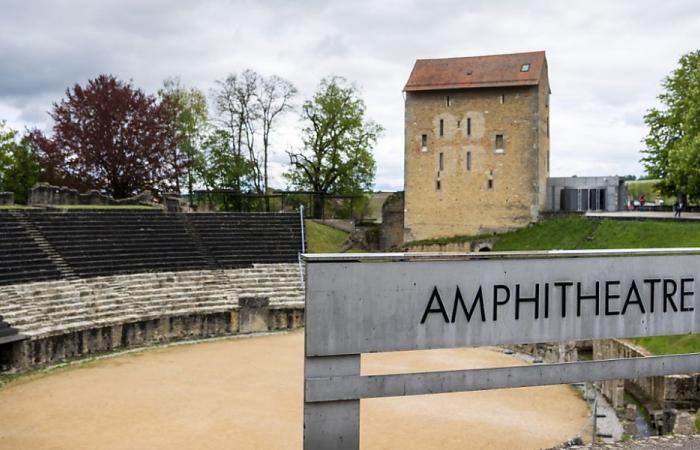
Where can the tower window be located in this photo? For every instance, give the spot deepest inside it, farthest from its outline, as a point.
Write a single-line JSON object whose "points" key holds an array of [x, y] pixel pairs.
{"points": [[438, 185], [441, 161], [424, 142], [448, 102], [499, 143], [459, 122], [469, 126], [503, 98], [469, 160], [489, 184], [442, 127]]}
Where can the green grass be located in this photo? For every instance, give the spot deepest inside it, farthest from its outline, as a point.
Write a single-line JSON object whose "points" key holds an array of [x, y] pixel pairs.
{"points": [[697, 421], [670, 345], [13, 207], [324, 239], [580, 233]]}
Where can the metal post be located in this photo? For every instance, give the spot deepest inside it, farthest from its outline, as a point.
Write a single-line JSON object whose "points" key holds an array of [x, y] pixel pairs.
{"points": [[303, 244], [331, 425], [594, 432], [303, 238]]}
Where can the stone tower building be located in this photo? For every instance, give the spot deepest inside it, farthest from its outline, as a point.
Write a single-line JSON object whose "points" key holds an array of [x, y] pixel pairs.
{"points": [[476, 144]]}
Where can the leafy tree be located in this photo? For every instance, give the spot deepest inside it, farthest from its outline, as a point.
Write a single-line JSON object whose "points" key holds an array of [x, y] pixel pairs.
{"points": [[337, 143], [190, 119], [673, 142], [109, 136], [19, 167], [223, 168]]}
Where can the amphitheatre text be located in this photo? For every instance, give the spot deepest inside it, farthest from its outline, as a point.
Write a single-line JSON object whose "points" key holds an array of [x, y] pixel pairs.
{"points": [[541, 300]]}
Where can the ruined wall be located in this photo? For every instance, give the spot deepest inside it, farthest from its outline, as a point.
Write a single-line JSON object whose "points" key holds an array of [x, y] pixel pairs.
{"points": [[391, 232], [44, 194], [671, 391], [477, 245], [52, 349], [465, 203], [7, 198]]}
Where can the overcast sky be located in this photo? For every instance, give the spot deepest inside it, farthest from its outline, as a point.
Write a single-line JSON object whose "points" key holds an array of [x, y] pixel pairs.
{"points": [[606, 59]]}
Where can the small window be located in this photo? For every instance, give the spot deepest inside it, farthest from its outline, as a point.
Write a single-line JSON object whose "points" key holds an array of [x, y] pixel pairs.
{"points": [[442, 127], [469, 160], [459, 122], [441, 162], [438, 185], [499, 142], [525, 67], [503, 98], [448, 102], [469, 126], [489, 184], [424, 142]]}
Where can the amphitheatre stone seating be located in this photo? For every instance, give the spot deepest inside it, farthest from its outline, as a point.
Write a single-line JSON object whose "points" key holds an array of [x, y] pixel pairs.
{"points": [[240, 239], [21, 258], [77, 282], [106, 242], [48, 308]]}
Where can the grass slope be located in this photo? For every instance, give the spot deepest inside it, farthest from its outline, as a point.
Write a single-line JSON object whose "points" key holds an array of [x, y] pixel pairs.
{"points": [[579, 233], [575, 232], [324, 239]]}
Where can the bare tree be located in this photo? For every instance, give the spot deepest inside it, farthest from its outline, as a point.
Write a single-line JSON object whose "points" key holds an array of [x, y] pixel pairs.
{"points": [[234, 101], [248, 106], [274, 98]]}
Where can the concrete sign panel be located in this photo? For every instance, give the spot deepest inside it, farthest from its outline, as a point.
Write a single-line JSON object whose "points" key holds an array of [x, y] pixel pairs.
{"points": [[373, 303]]}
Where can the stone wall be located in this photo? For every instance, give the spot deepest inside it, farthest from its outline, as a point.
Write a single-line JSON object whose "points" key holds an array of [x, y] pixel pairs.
{"points": [[7, 198], [44, 194], [665, 392], [53, 349], [476, 245], [481, 189], [391, 231]]}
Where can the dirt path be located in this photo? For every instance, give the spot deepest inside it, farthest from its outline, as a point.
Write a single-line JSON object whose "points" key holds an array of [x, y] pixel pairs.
{"points": [[247, 394]]}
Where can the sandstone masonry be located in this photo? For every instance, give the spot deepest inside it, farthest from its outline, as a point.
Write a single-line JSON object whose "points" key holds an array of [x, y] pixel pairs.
{"points": [[476, 145]]}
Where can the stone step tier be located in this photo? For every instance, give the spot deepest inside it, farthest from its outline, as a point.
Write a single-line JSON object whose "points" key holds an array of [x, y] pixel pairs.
{"points": [[69, 318], [42, 245]]}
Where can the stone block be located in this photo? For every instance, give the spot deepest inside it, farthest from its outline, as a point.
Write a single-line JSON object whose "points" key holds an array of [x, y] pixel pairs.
{"points": [[7, 198], [254, 314]]}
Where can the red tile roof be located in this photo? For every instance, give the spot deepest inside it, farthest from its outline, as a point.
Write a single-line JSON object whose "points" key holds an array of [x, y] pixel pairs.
{"points": [[476, 72]]}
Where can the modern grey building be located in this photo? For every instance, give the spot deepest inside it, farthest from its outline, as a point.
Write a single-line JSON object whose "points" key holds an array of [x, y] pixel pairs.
{"points": [[586, 193]]}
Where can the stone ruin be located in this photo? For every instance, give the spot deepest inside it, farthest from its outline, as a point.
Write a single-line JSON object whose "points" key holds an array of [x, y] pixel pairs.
{"points": [[44, 194], [7, 198]]}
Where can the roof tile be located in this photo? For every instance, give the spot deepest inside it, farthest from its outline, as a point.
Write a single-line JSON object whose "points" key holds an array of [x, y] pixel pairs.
{"points": [[476, 72]]}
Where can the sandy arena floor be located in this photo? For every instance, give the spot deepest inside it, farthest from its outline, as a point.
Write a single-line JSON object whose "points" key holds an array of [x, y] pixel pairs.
{"points": [[247, 394]]}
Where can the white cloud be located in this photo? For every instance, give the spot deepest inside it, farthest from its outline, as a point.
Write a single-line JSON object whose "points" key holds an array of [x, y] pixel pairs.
{"points": [[606, 59]]}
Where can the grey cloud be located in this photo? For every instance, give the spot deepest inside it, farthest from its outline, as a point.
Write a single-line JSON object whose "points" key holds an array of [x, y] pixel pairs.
{"points": [[606, 59]]}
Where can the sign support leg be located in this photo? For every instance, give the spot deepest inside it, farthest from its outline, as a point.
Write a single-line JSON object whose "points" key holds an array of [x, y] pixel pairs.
{"points": [[336, 424]]}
